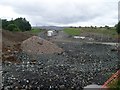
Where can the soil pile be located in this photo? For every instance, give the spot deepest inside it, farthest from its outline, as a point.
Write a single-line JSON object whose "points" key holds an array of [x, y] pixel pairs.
{"points": [[37, 45], [11, 39], [11, 42]]}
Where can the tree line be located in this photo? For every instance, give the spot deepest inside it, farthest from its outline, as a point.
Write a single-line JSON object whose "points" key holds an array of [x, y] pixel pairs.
{"points": [[19, 24]]}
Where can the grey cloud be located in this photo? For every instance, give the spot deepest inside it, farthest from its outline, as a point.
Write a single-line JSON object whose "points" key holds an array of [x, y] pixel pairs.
{"points": [[58, 14], [62, 12]]}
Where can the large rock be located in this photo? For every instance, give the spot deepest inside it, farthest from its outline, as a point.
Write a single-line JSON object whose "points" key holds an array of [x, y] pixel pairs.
{"points": [[37, 45]]}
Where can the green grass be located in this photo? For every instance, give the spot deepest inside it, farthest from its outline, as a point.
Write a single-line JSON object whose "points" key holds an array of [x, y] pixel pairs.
{"points": [[115, 84], [104, 31], [72, 31], [77, 31], [35, 31]]}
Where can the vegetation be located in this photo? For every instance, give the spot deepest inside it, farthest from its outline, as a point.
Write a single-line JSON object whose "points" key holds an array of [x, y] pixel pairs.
{"points": [[4, 24], [72, 31], [118, 27], [115, 84], [19, 24], [35, 31], [107, 27], [13, 27], [104, 30]]}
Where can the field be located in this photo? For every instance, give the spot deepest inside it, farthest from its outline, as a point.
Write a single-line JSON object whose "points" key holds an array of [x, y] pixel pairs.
{"points": [[78, 31], [35, 31], [72, 31]]}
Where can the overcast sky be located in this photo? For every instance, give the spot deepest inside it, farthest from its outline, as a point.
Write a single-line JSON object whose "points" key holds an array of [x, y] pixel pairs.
{"points": [[62, 12]]}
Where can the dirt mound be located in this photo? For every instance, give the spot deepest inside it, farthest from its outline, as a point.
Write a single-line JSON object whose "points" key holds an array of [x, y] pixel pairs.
{"points": [[11, 42], [11, 39], [37, 45]]}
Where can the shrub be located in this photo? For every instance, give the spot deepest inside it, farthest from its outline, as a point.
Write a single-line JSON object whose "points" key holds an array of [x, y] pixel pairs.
{"points": [[118, 27], [13, 27]]}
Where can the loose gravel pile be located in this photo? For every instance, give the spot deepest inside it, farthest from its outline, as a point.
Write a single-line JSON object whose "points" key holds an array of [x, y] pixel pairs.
{"points": [[37, 45]]}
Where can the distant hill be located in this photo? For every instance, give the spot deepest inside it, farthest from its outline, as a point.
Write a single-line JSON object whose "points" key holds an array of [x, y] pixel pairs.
{"points": [[50, 27]]}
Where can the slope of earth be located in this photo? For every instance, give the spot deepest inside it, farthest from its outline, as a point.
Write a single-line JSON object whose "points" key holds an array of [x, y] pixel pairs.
{"points": [[11, 42], [96, 34]]}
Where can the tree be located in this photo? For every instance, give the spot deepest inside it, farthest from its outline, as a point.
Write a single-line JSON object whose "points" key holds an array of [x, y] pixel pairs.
{"points": [[0, 23], [13, 27], [107, 27], [91, 26], [4, 23], [23, 24], [118, 27], [115, 25]]}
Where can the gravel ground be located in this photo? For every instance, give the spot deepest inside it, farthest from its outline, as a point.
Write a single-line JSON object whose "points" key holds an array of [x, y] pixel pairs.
{"points": [[81, 64]]}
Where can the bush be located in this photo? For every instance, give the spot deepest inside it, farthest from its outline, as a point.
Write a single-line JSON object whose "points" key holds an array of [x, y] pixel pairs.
{"points": [[118, 27], [4, 23], [13, 27], [23, 24], [19, 24], [107, 27]]}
